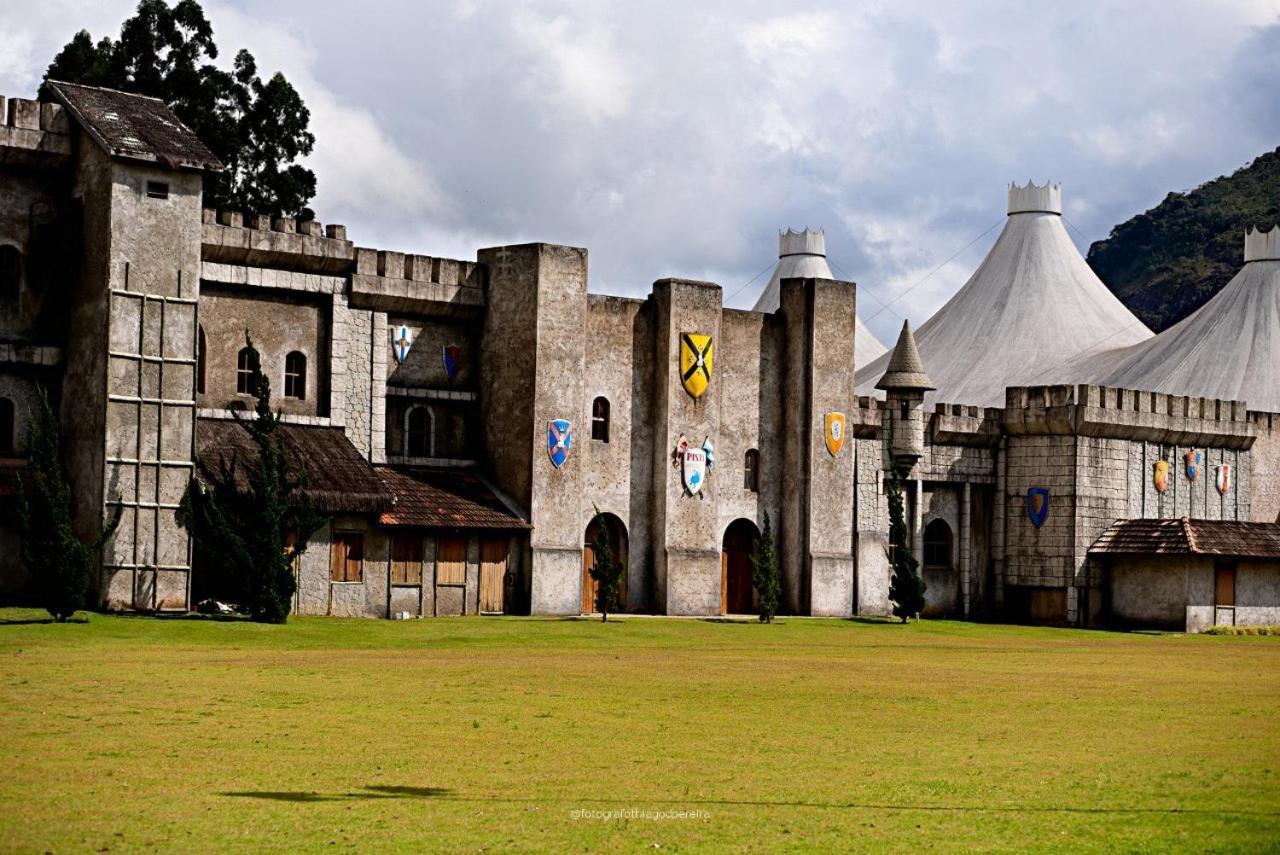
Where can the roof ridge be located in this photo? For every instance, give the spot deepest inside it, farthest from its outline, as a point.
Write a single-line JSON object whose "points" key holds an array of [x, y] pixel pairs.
{"points": [[1189, 533], [105, 89]]}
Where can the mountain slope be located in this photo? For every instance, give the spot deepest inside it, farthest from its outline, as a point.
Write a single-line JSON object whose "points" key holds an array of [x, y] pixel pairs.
{"points": [[1166, 263]]}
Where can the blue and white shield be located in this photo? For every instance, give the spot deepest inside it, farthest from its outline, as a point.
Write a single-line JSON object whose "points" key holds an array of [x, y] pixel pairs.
{"points": [[1038, 505], [1191, 462], [559, 440], [401, 344]]}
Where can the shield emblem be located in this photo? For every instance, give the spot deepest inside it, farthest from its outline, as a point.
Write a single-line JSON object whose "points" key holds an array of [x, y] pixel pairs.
{"points": [[696, 352], [1038, 505], [1161, 475], [402, 344], [833, 430], [1191, 460], [452, 361], [559, 440], [1224, 478], [693, 469]]}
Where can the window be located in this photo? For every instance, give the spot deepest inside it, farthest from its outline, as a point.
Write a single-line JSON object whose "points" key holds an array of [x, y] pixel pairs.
{"points": [[937, 545], [751, 470], [451, 561], [295, 376], [200, 354], [419, 432], [346, 557], [10, 272], [406, 559], [905, 409], [157, 190], [8, 426], [244, 373], [600, 419]]}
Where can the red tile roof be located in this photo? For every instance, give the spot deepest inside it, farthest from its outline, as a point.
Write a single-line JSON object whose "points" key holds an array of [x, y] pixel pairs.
{"points": [[439, 498], [1190, 537]]}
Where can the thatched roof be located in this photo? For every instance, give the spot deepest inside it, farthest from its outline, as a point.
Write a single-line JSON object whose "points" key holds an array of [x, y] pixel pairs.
{"points": [[339, 479], [137, 127], [439, 498], [1190, 537]]}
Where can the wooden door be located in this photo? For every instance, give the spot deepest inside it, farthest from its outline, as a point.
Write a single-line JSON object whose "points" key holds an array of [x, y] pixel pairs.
{"points": [[1224, 585], [493, 574], [588, 584], [735, 569], [618, 546]]}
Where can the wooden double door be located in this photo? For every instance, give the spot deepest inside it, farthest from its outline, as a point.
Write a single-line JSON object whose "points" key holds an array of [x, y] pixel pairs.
{"points": [[741, 542], [493, 574]]}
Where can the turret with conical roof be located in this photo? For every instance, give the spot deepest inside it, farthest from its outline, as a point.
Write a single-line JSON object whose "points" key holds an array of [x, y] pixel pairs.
{"points": [[905, 383]]}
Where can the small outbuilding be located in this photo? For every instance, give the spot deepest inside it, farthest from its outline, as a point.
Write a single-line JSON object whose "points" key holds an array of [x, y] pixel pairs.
{"points": [[1189, 574]]}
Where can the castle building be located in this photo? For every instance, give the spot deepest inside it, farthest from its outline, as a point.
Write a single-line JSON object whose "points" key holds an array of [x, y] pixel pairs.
{"points": [[467, 425]]}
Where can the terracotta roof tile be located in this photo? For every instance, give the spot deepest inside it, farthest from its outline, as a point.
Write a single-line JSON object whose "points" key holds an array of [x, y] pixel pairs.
{"points": [[1190, 537], [440, 498]]}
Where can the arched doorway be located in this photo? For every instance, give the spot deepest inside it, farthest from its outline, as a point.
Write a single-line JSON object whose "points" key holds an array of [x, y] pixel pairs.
{"points": [[617, 534], [741, 542]]}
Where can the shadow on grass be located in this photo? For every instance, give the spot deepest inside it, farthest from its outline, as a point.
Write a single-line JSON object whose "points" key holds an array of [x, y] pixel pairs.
{"points": [[30, 621], [372, 791]]}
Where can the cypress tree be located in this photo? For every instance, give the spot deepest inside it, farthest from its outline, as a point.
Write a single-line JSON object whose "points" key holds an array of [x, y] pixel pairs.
{"points": [[906, 588], [606, 571], [765, 575], [251, 528], [59, 562]]}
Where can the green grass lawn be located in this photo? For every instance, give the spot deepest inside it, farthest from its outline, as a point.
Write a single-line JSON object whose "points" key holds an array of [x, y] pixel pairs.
{"points": [[474, 734]]}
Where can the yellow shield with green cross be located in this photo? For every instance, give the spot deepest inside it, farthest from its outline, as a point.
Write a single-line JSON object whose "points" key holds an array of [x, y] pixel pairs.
{"points": [[696, 362]]}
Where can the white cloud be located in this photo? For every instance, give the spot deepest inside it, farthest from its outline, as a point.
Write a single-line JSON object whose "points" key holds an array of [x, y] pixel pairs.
{"points": [[572, 64]]}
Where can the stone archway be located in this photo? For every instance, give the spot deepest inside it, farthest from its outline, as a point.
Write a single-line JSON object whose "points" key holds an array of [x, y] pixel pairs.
{"points": [[617, 533], [741, 542]]}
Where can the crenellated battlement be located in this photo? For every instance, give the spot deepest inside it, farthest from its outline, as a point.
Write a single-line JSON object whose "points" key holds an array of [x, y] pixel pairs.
{"points": [[1106, 411], [402, 282], [1035, 198], [33, 132], [1262, 245], [285, 243], [965, 424]]}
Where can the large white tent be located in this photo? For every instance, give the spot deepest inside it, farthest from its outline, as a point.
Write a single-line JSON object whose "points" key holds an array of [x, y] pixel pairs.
{"points": [[803, 255], [1229, 348], [1030, 308]]}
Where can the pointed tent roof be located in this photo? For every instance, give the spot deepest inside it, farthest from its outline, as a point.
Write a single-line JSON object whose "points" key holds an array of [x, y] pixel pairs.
{"points": [[1227, 349], [803, 255], [906, 368], [1032, 305]]}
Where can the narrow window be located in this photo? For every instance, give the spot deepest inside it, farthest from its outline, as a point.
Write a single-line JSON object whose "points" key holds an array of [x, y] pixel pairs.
{"points": [[906, 410], [346, 557], [600, 419], [751, 470], [8, 426], [295, 376], [244, 373], [157, 190], [419, 432], [451, 561], [406, 559], [200, 355], [10, 272], [937, 545]]}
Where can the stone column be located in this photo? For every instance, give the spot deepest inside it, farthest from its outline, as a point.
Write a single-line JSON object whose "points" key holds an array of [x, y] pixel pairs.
{"points": [[965, 547], [917, 520]]}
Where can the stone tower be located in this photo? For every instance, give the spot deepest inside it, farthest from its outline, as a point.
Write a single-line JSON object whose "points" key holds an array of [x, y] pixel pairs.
{"points": [[905, 383]]}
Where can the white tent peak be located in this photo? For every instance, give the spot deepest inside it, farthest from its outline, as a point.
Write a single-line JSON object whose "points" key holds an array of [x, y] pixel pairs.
{"points": [[803, 255], [1035, 198], [1262, 245]]}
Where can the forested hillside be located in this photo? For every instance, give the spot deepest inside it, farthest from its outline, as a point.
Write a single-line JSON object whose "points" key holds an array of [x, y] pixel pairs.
{"points": [[1166, 263]]}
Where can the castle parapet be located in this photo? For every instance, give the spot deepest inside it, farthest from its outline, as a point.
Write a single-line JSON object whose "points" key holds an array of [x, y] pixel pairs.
{"points": [[1105, 411], [33, 132], [400, 282], [961, 424], [864, 421], [231, 237]]}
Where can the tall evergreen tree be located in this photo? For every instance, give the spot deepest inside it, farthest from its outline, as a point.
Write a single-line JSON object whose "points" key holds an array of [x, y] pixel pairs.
{"points": [[605, 570], [250, 527], [906, 588], [257, 129], [765, 574], [59, 562]]}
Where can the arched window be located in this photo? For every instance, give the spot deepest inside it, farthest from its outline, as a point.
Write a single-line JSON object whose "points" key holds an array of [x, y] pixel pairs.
{"points": [[244, 373], [751, 470], [201, 348], [937, 545], [295, 376], [420, 432], [8, 426], [600, 419], [10, 272]]}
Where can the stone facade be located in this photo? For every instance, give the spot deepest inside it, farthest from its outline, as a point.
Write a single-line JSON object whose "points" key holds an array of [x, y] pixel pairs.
{"points": [[138, 343]]}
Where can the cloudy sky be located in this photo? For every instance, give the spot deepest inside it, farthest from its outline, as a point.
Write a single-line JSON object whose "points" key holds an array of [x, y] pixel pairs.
{"points": [[677, 139]]}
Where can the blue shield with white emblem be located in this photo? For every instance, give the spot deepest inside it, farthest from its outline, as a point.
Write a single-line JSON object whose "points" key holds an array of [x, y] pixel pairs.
{"points": [[559, 441], [401, 344]]}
